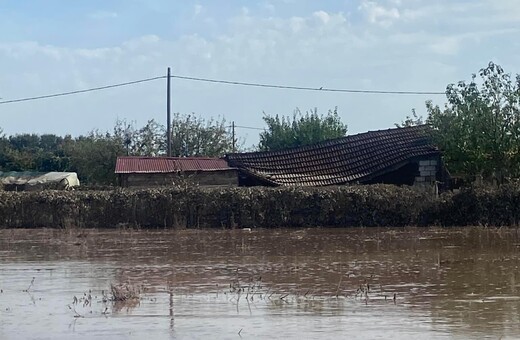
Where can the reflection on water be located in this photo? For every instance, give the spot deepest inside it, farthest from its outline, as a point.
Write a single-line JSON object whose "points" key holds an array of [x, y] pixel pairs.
{"points": [[311, 283]]}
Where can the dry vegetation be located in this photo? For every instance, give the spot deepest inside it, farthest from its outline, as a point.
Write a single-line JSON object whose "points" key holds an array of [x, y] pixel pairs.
{"points": [[124, 292], [195, 207]]}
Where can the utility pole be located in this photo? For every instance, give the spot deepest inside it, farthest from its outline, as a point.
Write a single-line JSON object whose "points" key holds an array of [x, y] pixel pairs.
{"points": [[233, 134], [168, 116]]}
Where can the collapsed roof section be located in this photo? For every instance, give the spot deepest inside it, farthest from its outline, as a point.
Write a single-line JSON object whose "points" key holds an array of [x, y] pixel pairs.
{"points": [[352, 159]]}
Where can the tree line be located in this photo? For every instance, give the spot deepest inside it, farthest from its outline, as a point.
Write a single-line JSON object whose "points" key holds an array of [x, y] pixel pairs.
{"points": [[93, 156], [477, 130]]}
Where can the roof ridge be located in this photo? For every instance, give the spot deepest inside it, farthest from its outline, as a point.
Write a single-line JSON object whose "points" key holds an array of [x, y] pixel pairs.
{"points": [[328, 142], [339, 160]]}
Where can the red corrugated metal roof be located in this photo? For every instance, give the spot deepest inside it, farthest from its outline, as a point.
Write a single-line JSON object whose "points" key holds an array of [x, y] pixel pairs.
{"points": [[198, 163], [125, 165]]}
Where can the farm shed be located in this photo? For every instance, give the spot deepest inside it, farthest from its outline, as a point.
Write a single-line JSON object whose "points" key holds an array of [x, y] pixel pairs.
{"points": [[165, 171], [401, 156]]}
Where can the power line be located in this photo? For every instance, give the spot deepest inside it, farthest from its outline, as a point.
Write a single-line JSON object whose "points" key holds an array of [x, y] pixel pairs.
{"points": [[321, 89], [217, 81], [245, 127], [248, 127], [81, 91]]}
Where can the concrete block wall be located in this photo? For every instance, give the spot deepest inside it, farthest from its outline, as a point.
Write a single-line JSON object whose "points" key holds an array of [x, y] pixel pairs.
{"points": [[427, 171]]}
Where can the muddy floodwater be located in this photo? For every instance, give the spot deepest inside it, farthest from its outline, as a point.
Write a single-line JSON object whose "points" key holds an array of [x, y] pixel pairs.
{"points": [[250, 284]]}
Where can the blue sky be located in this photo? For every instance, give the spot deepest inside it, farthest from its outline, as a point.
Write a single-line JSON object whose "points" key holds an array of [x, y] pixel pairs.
{"points": [[418, 45]]}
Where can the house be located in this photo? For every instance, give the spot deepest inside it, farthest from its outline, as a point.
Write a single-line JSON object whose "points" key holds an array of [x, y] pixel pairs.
{"points": [[401, 156], [165, 171], [33, 181]]}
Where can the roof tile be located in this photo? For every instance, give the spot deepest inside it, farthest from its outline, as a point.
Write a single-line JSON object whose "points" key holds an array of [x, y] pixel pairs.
{"points": [[348, 159]]}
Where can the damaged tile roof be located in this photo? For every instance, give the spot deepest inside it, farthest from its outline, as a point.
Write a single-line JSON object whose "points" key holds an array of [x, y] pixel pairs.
{"points": [[125, 165], [355, 158]]}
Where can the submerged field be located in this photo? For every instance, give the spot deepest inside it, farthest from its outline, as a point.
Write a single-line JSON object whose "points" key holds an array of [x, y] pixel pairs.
{"points": [[406, 283]]}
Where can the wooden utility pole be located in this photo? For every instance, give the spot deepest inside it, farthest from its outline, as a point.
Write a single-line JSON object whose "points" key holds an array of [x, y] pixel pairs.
{"points": [[168, 116], [233, 134]]}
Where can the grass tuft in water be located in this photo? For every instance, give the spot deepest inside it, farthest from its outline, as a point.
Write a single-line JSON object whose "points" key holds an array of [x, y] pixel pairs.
{"points": [[125, 292]]}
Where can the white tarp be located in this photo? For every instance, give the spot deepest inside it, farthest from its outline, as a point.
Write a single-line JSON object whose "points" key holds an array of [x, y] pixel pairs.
{"points": [[36, 180]]}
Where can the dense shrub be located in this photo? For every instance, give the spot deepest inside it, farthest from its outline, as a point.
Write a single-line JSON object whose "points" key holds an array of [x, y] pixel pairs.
{"points": [[196, 207]]}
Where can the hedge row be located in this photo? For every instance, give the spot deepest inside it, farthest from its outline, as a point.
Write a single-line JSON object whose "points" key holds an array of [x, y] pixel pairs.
{"points": [[375, 205]]}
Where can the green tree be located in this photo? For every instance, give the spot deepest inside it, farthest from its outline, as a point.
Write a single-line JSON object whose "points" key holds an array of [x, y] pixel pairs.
{"points": [[151, 140], [32, 152], [413, 120], [94, 156], [146, 141], [193, 135], [124, 134], [478, 129], [302, 129], [4, 147]]}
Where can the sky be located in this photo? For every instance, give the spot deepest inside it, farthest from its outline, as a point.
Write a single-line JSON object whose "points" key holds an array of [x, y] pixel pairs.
{"points": [[56, 46]]}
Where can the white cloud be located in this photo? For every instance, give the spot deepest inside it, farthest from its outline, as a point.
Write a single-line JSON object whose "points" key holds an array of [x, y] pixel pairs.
{"points": [[323, 16], [423, 47], [377, 14]]}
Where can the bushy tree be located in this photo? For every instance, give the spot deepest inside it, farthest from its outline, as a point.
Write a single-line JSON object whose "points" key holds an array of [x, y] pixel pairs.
{"points": [[300, 129], [193, 135], [32, 152], [478, 129], [413, 120], [94, 156], [149, 140]]}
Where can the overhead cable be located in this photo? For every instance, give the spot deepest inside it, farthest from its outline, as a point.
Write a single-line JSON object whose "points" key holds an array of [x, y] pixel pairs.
{"points": [[304, 88], [227, 82], [81, 91]]}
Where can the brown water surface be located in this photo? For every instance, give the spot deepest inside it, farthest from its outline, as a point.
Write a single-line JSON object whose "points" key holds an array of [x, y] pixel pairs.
{"points": [[280, 283]]}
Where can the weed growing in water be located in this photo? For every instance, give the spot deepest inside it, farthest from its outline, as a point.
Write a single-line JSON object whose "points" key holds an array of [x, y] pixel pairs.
{"points": [[125, 292]]}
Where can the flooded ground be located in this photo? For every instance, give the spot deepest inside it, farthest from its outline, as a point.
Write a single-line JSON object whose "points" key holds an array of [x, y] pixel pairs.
{"points": [[311, 284]]}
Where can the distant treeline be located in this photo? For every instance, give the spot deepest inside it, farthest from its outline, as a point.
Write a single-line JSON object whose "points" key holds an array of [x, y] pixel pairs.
{"points": [[94, 155], [195, 207]]}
